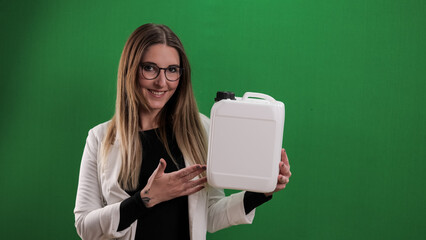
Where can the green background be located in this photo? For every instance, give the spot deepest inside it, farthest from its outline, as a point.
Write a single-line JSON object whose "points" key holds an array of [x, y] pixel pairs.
{"points": [[351, 73]]}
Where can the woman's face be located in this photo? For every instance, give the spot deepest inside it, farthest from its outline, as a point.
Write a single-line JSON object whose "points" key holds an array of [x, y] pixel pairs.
{"points": [[158, 90]]}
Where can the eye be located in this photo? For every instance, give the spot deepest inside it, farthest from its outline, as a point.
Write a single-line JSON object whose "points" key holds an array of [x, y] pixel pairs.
{"points": [[173, 69], [149, 68]]}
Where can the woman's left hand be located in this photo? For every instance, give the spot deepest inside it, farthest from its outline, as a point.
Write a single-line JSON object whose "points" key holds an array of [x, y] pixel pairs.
{"points": [[284, 175]]}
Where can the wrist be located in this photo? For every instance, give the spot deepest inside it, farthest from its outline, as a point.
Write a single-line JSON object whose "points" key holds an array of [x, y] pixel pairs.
{"points": [[268, 194], [147, 198]]}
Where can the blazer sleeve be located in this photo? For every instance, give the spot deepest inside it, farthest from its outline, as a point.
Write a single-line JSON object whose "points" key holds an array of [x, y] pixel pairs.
{"points": [[93, 218], [227, 211], [224, 211]]}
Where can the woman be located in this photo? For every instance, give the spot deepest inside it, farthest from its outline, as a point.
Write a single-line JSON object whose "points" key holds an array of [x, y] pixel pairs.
{"points": [[142, 173]]}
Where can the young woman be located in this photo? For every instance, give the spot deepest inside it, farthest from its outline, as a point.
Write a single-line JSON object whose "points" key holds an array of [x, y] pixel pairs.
{"points": [[142, 173]]}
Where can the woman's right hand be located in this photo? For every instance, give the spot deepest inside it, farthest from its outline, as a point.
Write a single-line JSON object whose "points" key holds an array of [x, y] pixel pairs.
{"points": [[162, 186]]}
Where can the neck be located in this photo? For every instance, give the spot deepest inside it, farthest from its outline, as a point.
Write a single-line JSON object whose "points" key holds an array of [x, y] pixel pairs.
{"points": [[149, 119]]}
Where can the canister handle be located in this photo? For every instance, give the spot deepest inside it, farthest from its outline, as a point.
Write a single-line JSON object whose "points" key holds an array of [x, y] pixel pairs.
{"points": [[258, 95]]}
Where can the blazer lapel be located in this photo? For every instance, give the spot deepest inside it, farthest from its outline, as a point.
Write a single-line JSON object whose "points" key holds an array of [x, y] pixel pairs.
{"points": [[192, 203], [109, 175]]}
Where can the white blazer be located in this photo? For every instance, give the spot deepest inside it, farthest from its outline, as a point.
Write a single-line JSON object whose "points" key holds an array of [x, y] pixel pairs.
{"points": [[97, 206]]}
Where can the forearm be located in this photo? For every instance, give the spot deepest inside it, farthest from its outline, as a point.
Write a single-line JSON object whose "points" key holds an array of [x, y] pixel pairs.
{"points": [[226, 211], [252, 200], [97, 223], [130, 210]]}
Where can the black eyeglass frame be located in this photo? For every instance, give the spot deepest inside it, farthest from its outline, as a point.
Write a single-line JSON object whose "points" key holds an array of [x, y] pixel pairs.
{"points": [[159, 70]]}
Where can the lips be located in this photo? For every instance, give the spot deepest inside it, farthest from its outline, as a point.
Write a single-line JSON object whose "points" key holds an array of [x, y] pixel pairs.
{"points": [[157, 93]]}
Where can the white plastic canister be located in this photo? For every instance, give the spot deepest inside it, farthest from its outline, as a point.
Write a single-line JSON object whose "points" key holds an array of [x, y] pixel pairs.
{"points": [[245, 142]]}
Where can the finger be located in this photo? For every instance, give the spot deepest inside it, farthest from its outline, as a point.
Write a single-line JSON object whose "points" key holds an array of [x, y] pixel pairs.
{"points": [[160, 169], [284, 157], [189, 173], [195, 183], [280, 187], [285, 166], [195, 173], [285, 170], [155, 173], [283, 179], [193, 190]]}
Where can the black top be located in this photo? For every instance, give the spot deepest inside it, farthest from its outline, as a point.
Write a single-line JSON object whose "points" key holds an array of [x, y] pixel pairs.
{"points": [[166, 220]]}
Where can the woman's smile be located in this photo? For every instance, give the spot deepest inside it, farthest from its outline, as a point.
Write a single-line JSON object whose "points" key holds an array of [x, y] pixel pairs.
{"points": [[157, 93]]}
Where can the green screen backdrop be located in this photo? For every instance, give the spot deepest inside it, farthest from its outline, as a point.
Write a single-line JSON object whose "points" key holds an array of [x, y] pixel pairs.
{"points": [[351, 73]]}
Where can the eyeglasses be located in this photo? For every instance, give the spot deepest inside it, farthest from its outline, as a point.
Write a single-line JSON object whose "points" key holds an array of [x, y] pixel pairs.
{"points": [[151, 71]]}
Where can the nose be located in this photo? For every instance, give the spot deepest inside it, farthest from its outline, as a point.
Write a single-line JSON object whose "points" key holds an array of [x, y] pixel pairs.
{"points": [[161, 79]]}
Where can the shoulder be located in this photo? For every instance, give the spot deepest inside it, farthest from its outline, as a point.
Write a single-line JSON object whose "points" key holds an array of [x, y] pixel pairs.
{"points": [[205, 121], [98, 132]]}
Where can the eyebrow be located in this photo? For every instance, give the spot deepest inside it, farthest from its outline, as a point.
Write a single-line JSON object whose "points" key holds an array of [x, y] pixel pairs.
{"points": [[172, 65]]}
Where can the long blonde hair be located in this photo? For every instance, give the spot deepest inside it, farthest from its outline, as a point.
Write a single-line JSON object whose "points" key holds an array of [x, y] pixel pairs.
{"points": [[180, 111]]}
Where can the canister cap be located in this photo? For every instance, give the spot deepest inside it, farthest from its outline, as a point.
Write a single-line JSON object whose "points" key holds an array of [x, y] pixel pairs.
{"points": [[220, 95]]}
